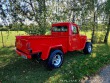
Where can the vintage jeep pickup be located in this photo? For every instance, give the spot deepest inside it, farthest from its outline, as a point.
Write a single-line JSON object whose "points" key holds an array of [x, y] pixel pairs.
{"points": [[64, 37]]}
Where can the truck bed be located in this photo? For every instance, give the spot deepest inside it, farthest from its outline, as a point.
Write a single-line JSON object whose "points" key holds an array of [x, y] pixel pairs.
{"points": [[40, 43]]}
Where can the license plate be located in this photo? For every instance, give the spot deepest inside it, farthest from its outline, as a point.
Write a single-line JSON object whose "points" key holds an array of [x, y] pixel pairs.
{"points": [[23, 56]]}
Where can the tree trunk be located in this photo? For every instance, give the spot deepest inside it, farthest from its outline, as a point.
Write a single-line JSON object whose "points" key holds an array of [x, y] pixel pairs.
{"points": [[73, 20], [107, 33], [93, 30], [2, 39], [44, 9]]}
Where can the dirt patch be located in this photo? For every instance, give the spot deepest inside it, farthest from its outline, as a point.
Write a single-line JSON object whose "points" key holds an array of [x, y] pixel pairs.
{"points": [[102, 77]]}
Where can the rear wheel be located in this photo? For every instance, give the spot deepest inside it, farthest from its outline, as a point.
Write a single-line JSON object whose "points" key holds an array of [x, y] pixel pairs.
{"points": [[56, 59], [88, 48]]}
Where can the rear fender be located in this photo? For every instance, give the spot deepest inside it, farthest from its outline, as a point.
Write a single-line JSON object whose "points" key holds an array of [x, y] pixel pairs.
{"points": [[47, 50]]}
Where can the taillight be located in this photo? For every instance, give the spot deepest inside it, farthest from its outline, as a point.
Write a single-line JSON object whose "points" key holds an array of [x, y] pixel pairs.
{"points": [[28, 45], [30, 50]]}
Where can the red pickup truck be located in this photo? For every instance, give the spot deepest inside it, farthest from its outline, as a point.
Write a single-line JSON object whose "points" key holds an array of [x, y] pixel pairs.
{"points": [[64, 37]]}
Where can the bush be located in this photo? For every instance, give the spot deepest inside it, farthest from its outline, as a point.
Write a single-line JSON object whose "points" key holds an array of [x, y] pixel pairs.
{"points": [[99, 37]]}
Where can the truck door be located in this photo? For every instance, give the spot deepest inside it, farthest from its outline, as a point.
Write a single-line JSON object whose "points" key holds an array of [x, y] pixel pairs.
{"points": [[74, 37]]}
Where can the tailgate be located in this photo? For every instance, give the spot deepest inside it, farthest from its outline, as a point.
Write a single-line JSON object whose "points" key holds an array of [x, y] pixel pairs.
{"points": [[22, 45]]}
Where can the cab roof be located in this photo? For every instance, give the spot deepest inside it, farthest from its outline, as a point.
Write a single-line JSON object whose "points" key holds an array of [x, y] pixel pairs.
{"points": [[63, 23]]}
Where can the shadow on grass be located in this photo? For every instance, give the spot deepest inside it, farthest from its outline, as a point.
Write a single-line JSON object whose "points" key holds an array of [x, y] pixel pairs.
{"points": [[76, 66], [15, 69], [6, 50]]}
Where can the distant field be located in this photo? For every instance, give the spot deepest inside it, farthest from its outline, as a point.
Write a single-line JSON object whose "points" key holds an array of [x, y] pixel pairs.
{"points": [[9, 38]]}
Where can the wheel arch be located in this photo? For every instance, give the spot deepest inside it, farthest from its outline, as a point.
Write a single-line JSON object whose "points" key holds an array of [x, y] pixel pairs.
{"points": [[85, 50], [56, 48], [47, 51], [90, 43]]}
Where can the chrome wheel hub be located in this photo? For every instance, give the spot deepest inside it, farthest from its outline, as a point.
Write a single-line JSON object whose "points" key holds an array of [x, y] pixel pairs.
{"points": [[89, 49], [56, 60]]}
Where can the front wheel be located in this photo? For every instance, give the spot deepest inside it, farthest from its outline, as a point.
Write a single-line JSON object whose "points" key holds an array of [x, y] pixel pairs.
{"points": [[88, 48], [55, 59]]}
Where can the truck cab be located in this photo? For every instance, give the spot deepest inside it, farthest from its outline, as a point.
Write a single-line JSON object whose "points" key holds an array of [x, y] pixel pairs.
{"points": [[64, 37], [76, 41]]}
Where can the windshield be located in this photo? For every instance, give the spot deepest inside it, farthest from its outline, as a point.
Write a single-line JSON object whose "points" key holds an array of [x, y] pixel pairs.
{"points": [[59, 28]]}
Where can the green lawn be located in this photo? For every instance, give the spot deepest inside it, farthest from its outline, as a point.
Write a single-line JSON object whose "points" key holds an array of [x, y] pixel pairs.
{"points": [[76, 66]]}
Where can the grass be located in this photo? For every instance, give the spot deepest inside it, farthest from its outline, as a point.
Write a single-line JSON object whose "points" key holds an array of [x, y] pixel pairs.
{"points": [[76, 66]]}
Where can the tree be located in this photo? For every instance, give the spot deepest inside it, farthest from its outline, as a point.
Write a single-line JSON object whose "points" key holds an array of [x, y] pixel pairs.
{"points": [[107, 11], [33, 10]]}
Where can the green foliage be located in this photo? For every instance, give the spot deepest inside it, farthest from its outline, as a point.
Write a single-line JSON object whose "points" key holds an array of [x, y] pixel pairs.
{"points": [[86, 27], [102, 27], [36, 30], [99, 37], [4, 28], [107, 7]]}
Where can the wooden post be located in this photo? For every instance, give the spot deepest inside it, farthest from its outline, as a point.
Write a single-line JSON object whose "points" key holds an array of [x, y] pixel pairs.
{"points": [[2, 39]]}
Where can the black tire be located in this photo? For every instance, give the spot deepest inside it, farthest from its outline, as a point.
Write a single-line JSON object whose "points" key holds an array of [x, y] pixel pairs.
{"points": [[88, 48], [52, 62]]}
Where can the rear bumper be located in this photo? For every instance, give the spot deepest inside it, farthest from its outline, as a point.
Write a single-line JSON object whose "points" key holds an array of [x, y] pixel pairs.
{"points": [[25, 56]]}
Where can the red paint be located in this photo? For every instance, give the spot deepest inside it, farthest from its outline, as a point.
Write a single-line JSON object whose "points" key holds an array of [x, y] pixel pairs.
{"points": [[65, 41]]}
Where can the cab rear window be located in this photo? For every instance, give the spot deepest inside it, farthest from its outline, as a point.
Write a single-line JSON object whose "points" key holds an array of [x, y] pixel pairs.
{"points": [[59, 28]]}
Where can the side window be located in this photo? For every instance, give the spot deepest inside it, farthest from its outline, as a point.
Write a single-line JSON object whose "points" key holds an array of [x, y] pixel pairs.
{"points": [[74, 30]]}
